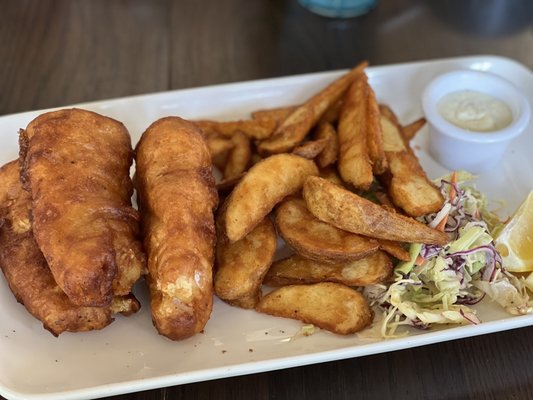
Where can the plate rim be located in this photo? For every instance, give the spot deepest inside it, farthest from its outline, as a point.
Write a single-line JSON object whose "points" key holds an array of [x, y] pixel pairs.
{"points": [[350, 351]]}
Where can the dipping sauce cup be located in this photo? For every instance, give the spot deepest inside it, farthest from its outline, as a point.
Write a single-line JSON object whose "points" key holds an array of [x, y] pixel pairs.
{"points": [[454, 145]]}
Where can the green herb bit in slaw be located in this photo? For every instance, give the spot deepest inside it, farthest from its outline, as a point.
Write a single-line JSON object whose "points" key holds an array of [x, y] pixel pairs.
{"points": [[440, 283]]}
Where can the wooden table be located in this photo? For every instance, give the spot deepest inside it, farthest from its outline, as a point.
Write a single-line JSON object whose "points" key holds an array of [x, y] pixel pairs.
{"points": [[55, 53]]}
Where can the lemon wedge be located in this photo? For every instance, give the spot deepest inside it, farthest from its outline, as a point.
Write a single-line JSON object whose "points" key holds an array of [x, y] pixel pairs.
{"points": [[515, 241]]}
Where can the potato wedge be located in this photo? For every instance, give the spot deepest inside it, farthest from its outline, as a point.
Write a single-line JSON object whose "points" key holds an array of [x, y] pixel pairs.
{"points": [[354, 164], [395, 249], [410, 130], [387, 112], [298, 124], [384, 199], [331, 306], [263, 186], [329, 154], [239, 156], [253, 128], [219, 148], [409, 188], [277, 114], [392, 138], [331, 174], [317, 240], [256, 158], [226, 185], [346, 210], [241, 266], [374, 135], [406, 182], [298, 270], [310, 149], [332, 113]]}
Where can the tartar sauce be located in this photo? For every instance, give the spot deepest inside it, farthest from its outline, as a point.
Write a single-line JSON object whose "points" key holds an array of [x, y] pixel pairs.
{"points": [[475, 111]]}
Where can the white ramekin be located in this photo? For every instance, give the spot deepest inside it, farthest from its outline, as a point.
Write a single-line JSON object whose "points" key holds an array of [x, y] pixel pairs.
{"points": [[460, 149]]}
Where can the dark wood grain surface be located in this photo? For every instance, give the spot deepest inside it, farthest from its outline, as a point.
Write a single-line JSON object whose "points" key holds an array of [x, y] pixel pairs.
{"points": [[60, 52]]}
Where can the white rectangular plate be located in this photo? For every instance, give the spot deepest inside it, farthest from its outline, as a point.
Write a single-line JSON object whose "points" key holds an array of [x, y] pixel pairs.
{"points": [[130, 356]]}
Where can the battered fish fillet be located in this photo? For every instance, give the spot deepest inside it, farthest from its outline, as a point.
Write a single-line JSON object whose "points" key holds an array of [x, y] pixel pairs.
{"points": [[177, 196], [27, 272], [76, 164]]}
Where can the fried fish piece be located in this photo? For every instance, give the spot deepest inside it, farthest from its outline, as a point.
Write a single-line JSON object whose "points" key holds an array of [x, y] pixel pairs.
{"points": [[76, 165], [27, 272], [177, 196]]}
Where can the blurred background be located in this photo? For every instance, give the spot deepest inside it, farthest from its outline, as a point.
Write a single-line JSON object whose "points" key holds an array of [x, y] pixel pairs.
{"points": [[68, 51], [59, 52]]}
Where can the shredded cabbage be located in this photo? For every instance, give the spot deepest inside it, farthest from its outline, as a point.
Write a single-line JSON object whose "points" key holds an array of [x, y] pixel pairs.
{"points": [[439, 283]]}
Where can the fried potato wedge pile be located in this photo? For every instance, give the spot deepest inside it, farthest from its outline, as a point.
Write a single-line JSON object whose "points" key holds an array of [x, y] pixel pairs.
{"points": [[298, 123], [313, 175]]}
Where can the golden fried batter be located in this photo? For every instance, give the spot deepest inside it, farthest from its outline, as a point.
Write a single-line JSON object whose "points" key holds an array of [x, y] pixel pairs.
{"points": [[177, 196], [76, 163], [27, 273]]}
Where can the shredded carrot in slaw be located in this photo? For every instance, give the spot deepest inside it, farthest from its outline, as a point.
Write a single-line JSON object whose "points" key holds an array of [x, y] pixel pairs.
{"points": [[453, 192], [420, 260], [451, 196]]}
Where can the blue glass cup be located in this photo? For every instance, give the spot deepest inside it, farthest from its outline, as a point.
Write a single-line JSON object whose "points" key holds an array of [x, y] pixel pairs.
{"points": [[339, 8]]}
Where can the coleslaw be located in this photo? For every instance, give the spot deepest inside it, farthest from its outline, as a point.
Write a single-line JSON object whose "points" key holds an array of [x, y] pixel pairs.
{"points": [[440, 283]]}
